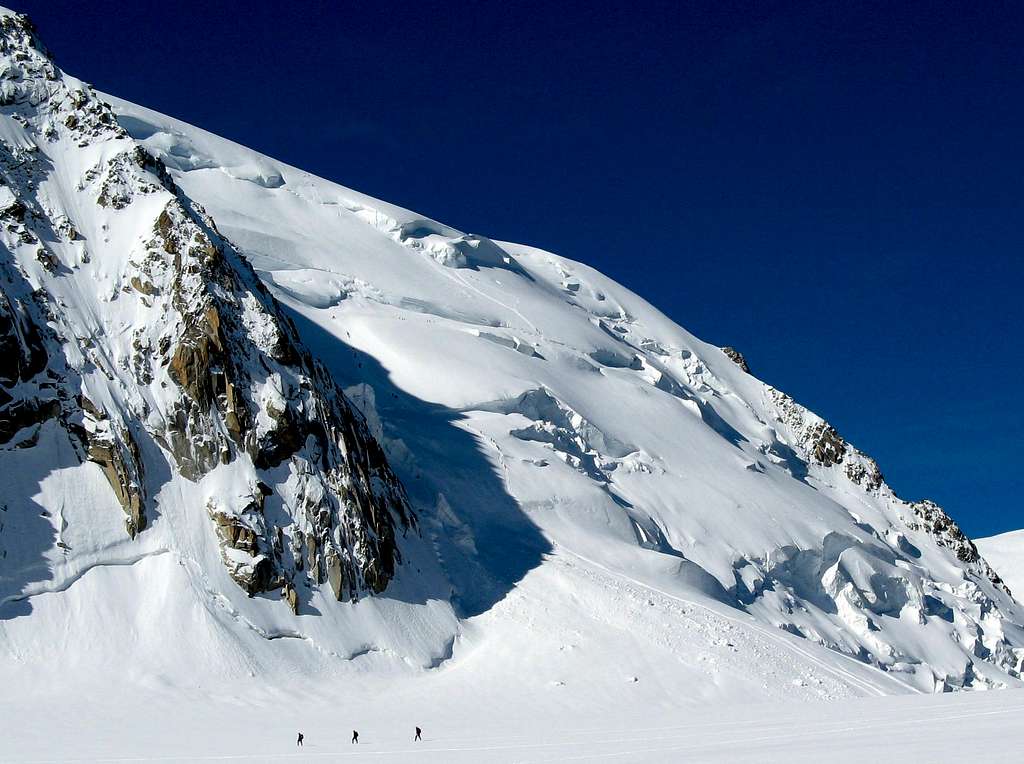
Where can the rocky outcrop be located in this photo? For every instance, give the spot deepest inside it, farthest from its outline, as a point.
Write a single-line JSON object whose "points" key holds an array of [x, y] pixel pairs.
{"points": [[865, 473], [211, 374], [932, 519], [251, 391], [820, 444], [29, 393], [825, 444], [816, 438], [245, 549], [111, 445], [129, 174], [736, 357], [22, 354]]}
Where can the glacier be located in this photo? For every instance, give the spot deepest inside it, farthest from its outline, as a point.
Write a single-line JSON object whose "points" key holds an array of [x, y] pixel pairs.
{"points": [[264, 431]]}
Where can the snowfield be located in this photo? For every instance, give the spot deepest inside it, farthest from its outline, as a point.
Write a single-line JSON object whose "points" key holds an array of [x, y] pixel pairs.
{"points": [[1005, 553], [249, 723], [541, 415], [585, 534]]}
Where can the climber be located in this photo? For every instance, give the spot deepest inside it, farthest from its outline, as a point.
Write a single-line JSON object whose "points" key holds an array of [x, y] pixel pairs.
{"points": [[418, 733], [355, 736], [299, 741]]}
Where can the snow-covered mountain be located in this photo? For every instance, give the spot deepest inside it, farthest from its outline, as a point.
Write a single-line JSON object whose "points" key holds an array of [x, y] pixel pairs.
{"points": [[1006, 554], [532, 477]]}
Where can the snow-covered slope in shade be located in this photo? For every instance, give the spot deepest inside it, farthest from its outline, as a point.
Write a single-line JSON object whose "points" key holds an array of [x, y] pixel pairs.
{"points": [[579, 499], [1005, 553]]}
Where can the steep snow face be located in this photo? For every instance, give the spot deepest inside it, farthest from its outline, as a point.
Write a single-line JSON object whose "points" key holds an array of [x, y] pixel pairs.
{"points": [[593, 486], [137, 339], [1006, 554], [620, 436]]}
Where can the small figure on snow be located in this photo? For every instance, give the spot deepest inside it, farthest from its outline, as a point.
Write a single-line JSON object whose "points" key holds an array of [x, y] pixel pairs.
{"points": [[355, 736], [418, 733], [299, 741]]}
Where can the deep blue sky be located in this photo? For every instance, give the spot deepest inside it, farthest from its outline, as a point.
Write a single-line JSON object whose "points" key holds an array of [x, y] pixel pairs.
{"points": [[835, 188]]}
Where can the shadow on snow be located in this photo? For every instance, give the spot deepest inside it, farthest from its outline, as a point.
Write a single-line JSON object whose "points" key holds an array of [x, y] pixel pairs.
{"points": [[485, 542]]}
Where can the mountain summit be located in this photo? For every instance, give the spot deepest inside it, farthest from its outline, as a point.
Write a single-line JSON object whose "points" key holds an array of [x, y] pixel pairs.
{"points": [[256, 423]]}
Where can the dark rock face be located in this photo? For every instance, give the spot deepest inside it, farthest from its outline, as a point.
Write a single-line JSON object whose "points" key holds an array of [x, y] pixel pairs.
{"points": [[22, 354], [349, 496], [736, 357], [820, 444], [932, 519], [939, 524], [213, 375], [112, 447], [246, 533], [818, 440], [29, 393], [865, 473], [825, 444], [21, 415]]}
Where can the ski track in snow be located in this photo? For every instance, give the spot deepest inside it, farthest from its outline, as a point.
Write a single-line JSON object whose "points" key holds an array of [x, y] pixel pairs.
{"points": [[495, 300]]}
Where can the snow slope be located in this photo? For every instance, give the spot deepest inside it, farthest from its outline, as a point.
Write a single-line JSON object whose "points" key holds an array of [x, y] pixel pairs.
{"points": [[1005, 552], [601, 508], [621, 438]]}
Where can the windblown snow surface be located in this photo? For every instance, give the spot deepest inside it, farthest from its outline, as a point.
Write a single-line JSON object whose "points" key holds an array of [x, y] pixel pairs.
{"points": [[1005, 553], [626, 546]]}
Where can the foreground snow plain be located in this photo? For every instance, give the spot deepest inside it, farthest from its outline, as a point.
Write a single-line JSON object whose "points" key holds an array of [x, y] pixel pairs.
{"points": [[255, 725], [656, 677]]}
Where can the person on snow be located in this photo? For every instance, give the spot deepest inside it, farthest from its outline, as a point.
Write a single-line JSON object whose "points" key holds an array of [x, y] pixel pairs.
{"points": [[299, 741], [355, 736], [418, 733]]}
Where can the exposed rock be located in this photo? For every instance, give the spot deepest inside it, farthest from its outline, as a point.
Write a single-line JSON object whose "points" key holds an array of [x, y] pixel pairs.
{"points": [[736, 357], [21, 414], [112, 447], [291, 596], [28, 396], [47, 259], [821, 444], [22, 354], [336, 576], [932, 519], [143, 287], [14, 210], [348, 500], [192, 361], [817, 439], [826, 445], [244, 548], [129, 174], [865, 473]]}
